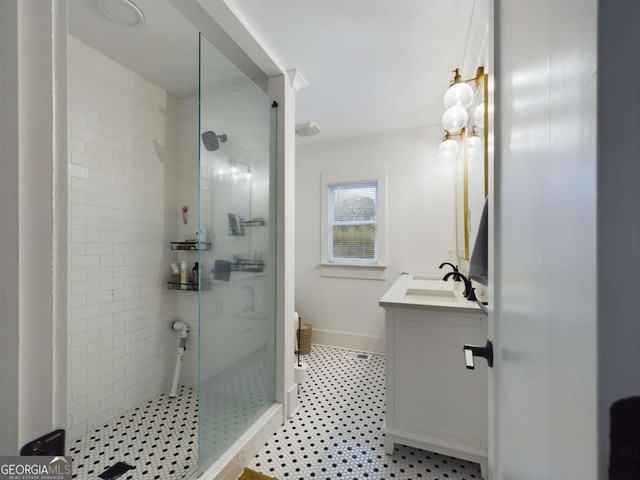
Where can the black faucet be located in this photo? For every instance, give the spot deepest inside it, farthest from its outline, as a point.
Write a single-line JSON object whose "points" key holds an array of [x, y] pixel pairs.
{"points": [[456, 277], [469, 291]]}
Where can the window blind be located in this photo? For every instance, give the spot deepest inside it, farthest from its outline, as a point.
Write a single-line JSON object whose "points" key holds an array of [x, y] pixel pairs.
{"points": [[353, 222]]}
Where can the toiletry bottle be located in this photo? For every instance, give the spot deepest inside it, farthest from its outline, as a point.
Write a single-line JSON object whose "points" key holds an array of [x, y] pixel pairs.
{"points": [[183, 275], [194, 276]]}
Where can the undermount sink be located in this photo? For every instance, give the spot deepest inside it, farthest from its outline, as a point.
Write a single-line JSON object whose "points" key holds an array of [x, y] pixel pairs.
{"points": [[422, 276], [426, 292], [430, 295]]}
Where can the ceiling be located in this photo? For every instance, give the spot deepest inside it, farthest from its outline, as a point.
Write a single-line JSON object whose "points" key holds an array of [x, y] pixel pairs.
{"points": [[373, 66]]}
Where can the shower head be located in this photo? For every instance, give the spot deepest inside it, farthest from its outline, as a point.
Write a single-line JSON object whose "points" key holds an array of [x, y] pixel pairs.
{"points": [[212, 141]]}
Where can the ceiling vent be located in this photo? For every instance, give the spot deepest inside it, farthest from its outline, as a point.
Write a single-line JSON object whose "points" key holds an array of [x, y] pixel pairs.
{"points": [[123, 12], [307, 129]]}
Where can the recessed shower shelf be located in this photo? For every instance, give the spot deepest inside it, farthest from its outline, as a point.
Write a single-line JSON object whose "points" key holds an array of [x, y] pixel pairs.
{"points": [[204, 285], [190, 245]]}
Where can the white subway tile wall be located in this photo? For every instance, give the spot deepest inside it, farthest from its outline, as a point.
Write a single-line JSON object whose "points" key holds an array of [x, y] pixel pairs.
{"points": [[124, 206]]}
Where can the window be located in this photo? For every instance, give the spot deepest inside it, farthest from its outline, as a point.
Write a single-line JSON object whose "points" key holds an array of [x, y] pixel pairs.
{"points": [[352, 222], [353, 241]]}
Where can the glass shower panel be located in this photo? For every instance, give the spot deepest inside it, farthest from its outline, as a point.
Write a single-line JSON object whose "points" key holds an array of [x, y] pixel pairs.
{"points": [[238, 273]]}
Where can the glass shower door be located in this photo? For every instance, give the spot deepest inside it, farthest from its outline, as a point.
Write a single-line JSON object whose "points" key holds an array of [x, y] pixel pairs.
{"points": [[237, 298]]}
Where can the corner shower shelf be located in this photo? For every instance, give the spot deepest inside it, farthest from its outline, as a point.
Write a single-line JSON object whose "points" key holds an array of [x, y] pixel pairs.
{"points": [[190, 245], [204, 285], [252, 266], [237, 224], [256, 222]]}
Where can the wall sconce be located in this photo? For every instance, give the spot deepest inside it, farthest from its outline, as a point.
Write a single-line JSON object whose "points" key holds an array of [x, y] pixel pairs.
{"points": [[448, 150], [465, 102], [459, 98], [248, 176], [454, 119], [459, 92], [478, 115], [233, 173], [474, 143]]}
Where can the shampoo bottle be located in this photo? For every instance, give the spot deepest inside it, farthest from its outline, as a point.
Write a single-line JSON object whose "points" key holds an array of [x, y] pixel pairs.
{"points": [[183, 275], [194, 276]]}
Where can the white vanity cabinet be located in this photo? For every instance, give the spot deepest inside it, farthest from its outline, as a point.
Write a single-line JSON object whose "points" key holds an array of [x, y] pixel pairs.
{"points": [[433, 402]]}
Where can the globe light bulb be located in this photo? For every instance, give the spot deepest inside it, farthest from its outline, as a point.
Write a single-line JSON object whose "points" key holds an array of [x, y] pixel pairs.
{"points": [[478, 116], [449, 145], [247, 177], [459, 94], [446, 156], [454, 119], [474, 143], [474, 146]]}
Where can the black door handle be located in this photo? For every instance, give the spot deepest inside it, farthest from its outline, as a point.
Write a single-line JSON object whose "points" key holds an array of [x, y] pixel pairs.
{"points": [[471, 351]]}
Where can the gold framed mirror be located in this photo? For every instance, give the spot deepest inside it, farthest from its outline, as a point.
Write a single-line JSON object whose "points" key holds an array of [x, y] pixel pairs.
{"points": [[472, 169]]}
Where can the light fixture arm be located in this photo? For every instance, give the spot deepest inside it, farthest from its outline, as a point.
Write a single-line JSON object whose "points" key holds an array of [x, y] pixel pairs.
{"points": [[449, 136], [457, 78]]}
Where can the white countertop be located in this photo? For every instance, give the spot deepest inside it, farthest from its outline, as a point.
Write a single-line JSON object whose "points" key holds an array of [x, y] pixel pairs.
{"points": [[427, 292]]}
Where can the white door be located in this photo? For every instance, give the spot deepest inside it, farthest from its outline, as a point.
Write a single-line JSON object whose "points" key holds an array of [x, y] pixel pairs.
{"points": [[543, 403]]}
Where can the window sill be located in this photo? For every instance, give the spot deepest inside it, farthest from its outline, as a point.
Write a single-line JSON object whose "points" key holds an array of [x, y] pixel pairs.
{"points": [[351, 270]]}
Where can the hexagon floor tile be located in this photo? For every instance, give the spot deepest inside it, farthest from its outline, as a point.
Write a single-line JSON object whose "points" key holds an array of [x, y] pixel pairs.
{"points": [[337, 433], [159, 438]]}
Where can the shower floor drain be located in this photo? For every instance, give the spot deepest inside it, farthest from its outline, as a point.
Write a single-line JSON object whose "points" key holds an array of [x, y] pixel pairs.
{"points": [[358, 355], [115, 471]]}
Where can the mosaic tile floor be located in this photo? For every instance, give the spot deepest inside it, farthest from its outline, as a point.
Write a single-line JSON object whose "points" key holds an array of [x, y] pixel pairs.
{"points": [[337, 432], [158, 437], [232, 401]]}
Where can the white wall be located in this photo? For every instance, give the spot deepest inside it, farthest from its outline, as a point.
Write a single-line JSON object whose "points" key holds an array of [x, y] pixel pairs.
{"points": [[33, 134], [284, 176], [123, 213], [420, 230]]}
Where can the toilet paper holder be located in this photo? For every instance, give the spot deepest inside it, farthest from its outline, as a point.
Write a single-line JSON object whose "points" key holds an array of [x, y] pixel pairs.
{"points": [[300, 369]]}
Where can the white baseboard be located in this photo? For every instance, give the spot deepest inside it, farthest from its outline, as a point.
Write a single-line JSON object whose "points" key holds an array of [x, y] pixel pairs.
{"points": [[350, 341], [240, 454], [293, 402]]}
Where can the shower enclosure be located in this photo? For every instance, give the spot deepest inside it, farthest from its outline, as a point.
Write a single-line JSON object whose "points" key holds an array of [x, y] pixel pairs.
{"points": [[160, 176], [237, 255]]}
